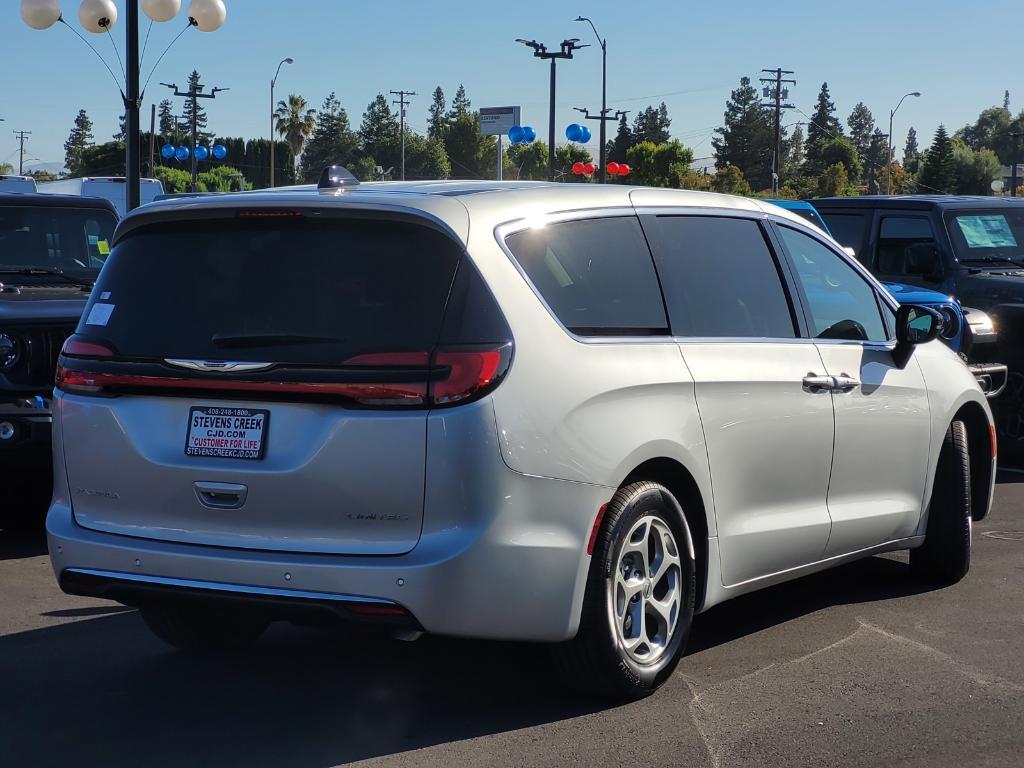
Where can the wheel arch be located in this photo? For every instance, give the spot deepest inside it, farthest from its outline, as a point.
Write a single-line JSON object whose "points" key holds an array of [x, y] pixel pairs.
{"points": [[982, 452], [682, 484]]}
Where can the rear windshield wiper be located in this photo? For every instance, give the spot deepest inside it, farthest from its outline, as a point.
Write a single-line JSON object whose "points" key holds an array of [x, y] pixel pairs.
{"points": [[29, 271], [241, 340], [993, 260]]}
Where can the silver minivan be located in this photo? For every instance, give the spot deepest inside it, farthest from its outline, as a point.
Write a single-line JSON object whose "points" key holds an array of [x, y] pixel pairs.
{"points": [[575, 414]]}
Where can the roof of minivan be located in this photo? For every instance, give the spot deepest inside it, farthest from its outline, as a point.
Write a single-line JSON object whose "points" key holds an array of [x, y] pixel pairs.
{"points": [[916, 202], [455, 202], [55, 201]]}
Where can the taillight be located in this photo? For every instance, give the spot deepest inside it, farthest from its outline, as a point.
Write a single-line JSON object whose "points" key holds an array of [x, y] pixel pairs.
{"points": [[76, 347], [471, 372]]}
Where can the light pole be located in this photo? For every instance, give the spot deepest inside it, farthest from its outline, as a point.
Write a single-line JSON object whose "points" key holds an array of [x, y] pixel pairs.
{"points": [[273, 82], [603, 150], [888, 156], [566, 47], [99, 17], [194, 93]]}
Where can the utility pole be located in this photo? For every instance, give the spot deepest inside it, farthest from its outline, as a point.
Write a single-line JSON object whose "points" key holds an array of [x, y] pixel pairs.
{"points": [[194, 93], [402, 104], [1015, 135], [21, 136], [152, 139], [605, 118], [777, 93]]}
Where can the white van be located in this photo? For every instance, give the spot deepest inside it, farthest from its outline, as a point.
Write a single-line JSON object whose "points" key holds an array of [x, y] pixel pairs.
{"points": [[112, 188], [17, 184]]}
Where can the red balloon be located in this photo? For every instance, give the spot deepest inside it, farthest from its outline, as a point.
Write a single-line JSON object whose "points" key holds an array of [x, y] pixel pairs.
{"points": [[612, 168], [623, 169], [577, 168], [588, 168]]}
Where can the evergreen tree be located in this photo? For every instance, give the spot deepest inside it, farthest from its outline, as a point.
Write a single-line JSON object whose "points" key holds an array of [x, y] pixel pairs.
{"points": [[530, 161], [652, 125], [472, 156], [795, 158], [745, 141], [202, 135], [823, 127], [862, 124], [167, 123], [333, 141], [380, 133], [425, 158], [939, 171], [875, 160], [911, 152], [437, 121], [619, 146], [460, 104], [1006, 101], [78, 141]]}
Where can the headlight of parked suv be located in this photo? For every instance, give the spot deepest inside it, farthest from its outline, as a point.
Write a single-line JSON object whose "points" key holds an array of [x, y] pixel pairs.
{"points": [[10, 351]]}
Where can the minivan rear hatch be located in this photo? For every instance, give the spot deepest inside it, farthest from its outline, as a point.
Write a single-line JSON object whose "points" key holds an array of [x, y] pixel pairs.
{"points": [[260, 381]]}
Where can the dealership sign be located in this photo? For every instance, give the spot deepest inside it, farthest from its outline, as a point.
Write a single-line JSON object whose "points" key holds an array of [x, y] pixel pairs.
{"points": [[497, 121]]}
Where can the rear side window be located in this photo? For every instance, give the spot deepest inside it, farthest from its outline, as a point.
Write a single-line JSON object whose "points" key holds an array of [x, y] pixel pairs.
{"points": [[73, 240], [847, 229], [301, 292], [595, 274], [721, 279], [896, 236]]}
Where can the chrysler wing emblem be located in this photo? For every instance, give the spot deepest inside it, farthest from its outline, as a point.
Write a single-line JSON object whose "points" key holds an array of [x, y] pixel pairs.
{"points": [[218, 365]]}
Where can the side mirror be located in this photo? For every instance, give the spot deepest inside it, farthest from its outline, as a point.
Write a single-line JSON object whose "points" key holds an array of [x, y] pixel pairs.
{"points": [[914, 325], [923, 259]]}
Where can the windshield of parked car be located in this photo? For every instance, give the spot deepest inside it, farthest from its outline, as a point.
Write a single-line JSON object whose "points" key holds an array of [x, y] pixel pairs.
{"points": [[36, 240], [994, 236]]}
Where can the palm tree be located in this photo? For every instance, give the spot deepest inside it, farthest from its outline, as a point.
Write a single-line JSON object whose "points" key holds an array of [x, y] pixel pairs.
{"points": [[295, 123]]}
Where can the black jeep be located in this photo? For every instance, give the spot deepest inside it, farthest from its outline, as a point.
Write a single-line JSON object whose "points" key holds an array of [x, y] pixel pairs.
{"points": [[51, 250]]}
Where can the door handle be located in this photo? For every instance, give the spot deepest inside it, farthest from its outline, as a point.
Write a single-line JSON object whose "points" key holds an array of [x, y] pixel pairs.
{"points": [[814, 383], [845, 383], [220, 495]]}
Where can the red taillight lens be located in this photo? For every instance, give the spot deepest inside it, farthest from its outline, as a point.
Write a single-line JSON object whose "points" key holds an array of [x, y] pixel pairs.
{"points": [[470, 372], [75, 347]]}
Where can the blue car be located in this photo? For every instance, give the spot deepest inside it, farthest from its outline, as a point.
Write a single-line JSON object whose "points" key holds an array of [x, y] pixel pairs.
{"points": [[963, 330]]}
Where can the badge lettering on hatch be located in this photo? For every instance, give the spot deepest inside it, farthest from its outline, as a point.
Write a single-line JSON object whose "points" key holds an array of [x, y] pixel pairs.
{"points": [[380, 517]]}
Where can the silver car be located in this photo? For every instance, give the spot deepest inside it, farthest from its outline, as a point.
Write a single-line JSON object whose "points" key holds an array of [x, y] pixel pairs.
{"points": [[575, 414]]}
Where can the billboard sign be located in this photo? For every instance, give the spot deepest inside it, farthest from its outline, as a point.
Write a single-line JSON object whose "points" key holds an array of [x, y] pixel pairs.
{"points": [[497, 121]]}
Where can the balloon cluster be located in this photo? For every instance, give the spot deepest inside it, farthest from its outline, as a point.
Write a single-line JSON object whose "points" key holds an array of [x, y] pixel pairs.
{"points": [[577, 132], [100, 16], [587, 169], [617, 169], [521, 134], [181, 154]]}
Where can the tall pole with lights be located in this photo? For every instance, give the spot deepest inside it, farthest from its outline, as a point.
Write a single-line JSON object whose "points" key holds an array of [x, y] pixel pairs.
{"points": [[888, 153], [565, 50], [100, 17], [604, 118], [273, 82]]}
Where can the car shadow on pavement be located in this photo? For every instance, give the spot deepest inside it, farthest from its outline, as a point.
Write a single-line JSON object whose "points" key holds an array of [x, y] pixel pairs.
{"points": [[103, 691]]}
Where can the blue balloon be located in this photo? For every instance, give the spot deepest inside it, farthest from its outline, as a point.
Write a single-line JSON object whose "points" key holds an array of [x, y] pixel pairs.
{"points": [[529, 134], [167, 151], [584, 135], [202, 153], [574, 132], [220, 151], [182, 153], [515, 134]]}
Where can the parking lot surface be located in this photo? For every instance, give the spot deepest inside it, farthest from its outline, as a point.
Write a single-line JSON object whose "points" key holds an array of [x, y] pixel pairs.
{"points": [[859, 666]]}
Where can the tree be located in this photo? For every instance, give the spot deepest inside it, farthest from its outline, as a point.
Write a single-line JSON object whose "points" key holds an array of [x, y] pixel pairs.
{"points": [[379, 132], [746, 139], [652, 125], [530, 161], [295, 122], [795, 157], [102, 160], [822, 127], [79, 140], [840, 151], [426, 158], [659, 165], [460, 104], [911, 152], [1006, 101], [167, 122], [901, 181], [568, 154], [862, 125], [222, 178], [730, 181], [6, 169], [256, 165], [938, 173], [975, 169], [202, 135], [333, 141], [623, 140], [700, 181], [173, 179], [876, 158], [472, 155], [437, 121], [834, 181]]}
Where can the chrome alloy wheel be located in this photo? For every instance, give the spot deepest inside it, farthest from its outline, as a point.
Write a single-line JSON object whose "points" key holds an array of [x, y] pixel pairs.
{"points": [[645, 592]]}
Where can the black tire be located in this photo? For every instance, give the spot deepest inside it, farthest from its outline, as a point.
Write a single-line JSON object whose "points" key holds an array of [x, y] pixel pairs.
{"points": [[197, 627], [945, 555], [596, 660]]}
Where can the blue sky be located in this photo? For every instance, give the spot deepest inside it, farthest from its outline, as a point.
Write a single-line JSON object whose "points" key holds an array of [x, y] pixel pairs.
{"points": [[689, 54]]}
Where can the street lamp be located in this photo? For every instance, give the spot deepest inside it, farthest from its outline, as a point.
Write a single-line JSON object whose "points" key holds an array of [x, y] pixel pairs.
{"points": [[602, 152], [566, 47], [888, 156], [273, 82], [99, 17]]}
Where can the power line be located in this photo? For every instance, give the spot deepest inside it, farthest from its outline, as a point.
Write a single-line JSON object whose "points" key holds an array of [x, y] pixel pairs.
{"points": [[21, 136], [402, 104], [776, 90]]}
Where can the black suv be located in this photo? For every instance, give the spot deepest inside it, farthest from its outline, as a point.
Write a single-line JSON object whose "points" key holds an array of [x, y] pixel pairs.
{"points": [[51, 250], [970, 248]]}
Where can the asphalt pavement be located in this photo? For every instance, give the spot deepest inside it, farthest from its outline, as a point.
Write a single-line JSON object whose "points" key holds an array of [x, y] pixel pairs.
{"points": [[859, 666]]}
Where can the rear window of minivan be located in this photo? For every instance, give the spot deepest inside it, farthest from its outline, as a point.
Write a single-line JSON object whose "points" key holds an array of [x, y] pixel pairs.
{"points": [[290, 291]]}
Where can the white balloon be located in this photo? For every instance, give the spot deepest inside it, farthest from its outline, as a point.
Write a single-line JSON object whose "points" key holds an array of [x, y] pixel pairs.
{"points": [[40, 14], [97, 16], [161, 10], [209, 15]]}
